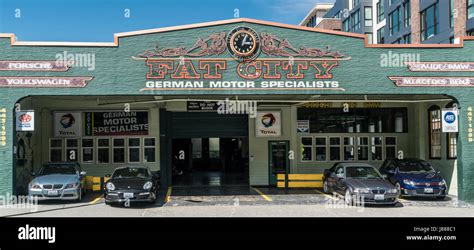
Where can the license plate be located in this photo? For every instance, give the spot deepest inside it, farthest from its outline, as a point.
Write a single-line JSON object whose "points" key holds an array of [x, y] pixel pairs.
{"points": [[379, 197], [53, 192], [127, 195], [429, 190]]}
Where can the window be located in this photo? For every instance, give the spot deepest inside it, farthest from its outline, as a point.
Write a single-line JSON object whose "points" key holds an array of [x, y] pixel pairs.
{"points": [[470, 9], [435, 132], [349, 150], [321, 149], [345, 25], [376, 148], [306, 148], [355, 2], [368, 16], [55, 150], [149, 150], [72, 150], [334, 148], [87, 150], [394, 21], [355, 21], [407, 14], [381, 36], [380, 11], [363, 148], [369, 37], [103, 150], [407, 39], [118, 151], [357, 120], [429, 22], [390, 147], [134, 150], [470, 33]]}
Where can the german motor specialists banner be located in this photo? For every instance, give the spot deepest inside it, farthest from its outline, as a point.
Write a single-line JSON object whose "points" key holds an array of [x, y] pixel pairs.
{"points": [[116, 123]]}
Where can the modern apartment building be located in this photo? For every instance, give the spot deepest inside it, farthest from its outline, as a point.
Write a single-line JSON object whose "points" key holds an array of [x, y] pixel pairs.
{"points": [[404, 21]]}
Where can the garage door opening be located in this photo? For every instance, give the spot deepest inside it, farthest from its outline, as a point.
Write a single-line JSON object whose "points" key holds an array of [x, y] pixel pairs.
{"points": [[212, 161]]}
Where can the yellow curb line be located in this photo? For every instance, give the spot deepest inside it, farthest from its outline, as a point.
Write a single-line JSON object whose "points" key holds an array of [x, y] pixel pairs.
{"points": [[168, 194], [96, 199], [262, 194], [327, 195]]}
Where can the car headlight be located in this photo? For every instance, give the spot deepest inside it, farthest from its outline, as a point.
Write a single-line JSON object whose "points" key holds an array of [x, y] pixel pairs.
{"points": [[148, 185], [392, 191], [110, 186], [35, 186], [72, 185], [362, 190], [409, 182], [442, 183]]}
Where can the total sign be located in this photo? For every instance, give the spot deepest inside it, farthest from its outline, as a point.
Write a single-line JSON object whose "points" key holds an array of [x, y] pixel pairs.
{"points": [[450, 120], [268, 124]]}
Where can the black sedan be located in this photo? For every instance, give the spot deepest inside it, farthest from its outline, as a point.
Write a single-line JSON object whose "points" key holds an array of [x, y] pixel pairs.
{"points": [[133, 184], [359, 182]]}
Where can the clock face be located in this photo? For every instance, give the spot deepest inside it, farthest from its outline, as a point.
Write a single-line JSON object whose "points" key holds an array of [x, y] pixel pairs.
{"points": [[243, 43]]}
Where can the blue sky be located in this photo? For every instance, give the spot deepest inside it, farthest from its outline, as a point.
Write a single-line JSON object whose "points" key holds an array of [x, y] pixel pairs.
{"points": [[98, 20]]}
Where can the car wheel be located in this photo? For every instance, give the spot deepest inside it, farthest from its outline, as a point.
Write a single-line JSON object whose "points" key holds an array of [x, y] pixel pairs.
{"points": [[348, 197], [326, 187]]}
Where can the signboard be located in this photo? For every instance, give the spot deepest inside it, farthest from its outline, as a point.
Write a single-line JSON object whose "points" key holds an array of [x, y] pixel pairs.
{"points": [[268, 124], [33, 66], [43, 82], [421, 81], [67, 124], [116, 123], [450, 120], [3, 126], [303, 126], [201, 106], [441, 66], [25, 120]]}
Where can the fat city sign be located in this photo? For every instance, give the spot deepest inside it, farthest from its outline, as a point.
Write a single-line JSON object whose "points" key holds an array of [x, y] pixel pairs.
{"points": [[285, 67]]}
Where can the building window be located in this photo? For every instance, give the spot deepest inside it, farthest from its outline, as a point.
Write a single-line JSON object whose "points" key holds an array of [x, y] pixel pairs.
{"points": [[376, 148], [470, 33], [370, 38], [72, 150], [118, 151], [363, 148], [355, 21], [380, 11], [470, 9], [407, 13], [368, 16], [355, 2], [321, 151], [429, 22], [334, 148], [134, 146], [103, 150], [381, 35], [435, 132], [349, 150], [55, 150], [345, 25], [149, 150], [87, 146], [390, 147], [306, 148], [394, 21]]}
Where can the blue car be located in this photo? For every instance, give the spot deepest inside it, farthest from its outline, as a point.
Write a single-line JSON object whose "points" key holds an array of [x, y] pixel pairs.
{"points": [[414, 178]]}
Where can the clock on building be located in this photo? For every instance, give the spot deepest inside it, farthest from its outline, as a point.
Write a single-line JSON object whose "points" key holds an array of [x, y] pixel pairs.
{"points": [[243, 43]]}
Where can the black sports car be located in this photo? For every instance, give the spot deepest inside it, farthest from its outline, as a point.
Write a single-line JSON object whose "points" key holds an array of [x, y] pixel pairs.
{"points": [[359, 181], [131, 183]]}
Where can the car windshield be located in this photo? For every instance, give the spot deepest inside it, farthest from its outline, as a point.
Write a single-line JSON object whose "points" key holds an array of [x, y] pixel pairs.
{"points": [[58, 169], [131, 173], [414, 166], [362, 172]]}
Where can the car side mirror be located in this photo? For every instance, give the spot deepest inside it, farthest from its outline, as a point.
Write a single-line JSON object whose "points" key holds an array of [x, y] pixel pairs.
{"points": [[107, 175], [340, 176], [83, 173]]}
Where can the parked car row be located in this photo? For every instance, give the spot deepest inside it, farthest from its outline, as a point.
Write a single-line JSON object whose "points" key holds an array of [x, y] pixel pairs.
{"points": [[396, 177]]}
